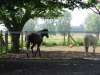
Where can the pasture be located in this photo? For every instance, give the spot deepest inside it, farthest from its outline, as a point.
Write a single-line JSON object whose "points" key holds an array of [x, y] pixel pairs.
{"points": [[56, 46]]}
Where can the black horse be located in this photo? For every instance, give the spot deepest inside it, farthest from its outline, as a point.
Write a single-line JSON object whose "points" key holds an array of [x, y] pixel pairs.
{"points": [[36, 38]]}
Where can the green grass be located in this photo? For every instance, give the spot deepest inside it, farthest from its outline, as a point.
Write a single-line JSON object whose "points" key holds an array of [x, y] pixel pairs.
{"points": [[60, 42], [98, 43], [51, 41], [2, 50]]}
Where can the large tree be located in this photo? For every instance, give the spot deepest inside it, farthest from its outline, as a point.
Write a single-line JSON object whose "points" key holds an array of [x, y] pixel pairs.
{"points": [[15, 13]]}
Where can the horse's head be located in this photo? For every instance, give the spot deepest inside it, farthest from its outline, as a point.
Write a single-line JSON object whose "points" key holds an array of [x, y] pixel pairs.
{"points": [[45, 32]]}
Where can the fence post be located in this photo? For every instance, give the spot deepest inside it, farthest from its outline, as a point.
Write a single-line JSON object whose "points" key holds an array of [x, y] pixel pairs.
{"points": [[6, 41], [21, 40], [1, 47], [64, 39], [68, 38]]}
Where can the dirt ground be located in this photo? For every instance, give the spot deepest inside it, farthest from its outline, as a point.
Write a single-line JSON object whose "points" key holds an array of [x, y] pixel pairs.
{"points": [[74, 66], [58, 52], [69, 48], [57, 60]]}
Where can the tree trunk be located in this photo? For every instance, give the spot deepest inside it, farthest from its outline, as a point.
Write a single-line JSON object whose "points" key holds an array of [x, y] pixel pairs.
{"points": [[15, 41]]}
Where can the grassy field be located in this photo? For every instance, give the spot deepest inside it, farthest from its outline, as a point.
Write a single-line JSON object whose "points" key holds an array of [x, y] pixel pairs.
{"points": [[56, 39], [53, 40]]}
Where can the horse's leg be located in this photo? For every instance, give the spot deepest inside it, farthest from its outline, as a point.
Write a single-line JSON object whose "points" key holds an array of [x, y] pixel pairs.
{"points": [[28, 46], [86, 50], [32, 48], [94, 46], [38, 50]]}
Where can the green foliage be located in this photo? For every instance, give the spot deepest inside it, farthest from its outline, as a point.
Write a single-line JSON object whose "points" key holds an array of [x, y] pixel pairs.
{"points": [[79, 42], [93, 23], [15, 13], [63, 24], [60, 42], [54, 42], [60, 24], [98, 6], [92, 1], [98, 42]]}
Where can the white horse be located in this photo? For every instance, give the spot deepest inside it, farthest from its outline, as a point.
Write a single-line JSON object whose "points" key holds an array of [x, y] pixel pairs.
{"points": [[90, 40]]}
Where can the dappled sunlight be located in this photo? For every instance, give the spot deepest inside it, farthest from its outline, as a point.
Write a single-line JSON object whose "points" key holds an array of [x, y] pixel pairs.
{"points": [[56, 52], [66, 48]]}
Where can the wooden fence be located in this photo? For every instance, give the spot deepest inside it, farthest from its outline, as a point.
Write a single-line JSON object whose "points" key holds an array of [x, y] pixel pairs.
{"points": [[5, 39]]}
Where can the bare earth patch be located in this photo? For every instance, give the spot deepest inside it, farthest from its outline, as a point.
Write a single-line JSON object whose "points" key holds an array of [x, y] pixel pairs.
{"points": [[57, 52]]}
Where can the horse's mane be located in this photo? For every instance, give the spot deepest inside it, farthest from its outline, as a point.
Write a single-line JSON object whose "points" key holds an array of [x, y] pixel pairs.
{"points": [[43, 30]]}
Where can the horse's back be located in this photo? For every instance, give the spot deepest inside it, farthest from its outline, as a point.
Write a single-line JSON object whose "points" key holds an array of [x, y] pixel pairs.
{"points": [[34, 38], [90, 39], [37, 37]]}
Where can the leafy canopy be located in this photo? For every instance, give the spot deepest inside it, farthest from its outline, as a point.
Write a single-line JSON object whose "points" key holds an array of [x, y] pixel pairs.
{"points": [[42, 7], [15, 13]]}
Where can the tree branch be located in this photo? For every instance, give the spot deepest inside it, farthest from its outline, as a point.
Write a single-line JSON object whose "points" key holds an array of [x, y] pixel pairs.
{"points": [[97, 10]]}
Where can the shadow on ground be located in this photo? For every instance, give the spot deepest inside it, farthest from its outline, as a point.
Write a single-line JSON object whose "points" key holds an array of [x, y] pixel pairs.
{"points": [[51, 54], [51, 63], [73, 66]]}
